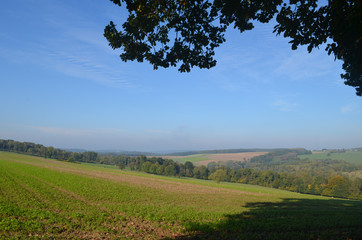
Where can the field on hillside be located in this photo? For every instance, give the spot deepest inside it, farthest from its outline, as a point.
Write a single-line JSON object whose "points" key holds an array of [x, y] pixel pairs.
{"points": [[348, 156], [204, 159], [43, 198]]}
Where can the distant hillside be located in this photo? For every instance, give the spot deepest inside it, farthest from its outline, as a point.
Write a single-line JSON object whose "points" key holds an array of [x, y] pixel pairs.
{"points": [[240, 150], [126, 153]]}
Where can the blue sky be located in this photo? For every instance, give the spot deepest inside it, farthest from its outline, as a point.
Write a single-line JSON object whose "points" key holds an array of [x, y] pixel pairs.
{"points": [[63, 86]]}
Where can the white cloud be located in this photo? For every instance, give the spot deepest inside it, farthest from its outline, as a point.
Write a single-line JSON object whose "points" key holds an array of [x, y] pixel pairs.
{"points": [[347, 108], [351, 107], [285, 106], [84, 66]]}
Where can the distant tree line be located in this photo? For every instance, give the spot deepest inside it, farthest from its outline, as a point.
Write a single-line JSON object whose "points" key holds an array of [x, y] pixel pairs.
{"points": [[161, 166], [279, 155], [281, 169], [47, 152]]}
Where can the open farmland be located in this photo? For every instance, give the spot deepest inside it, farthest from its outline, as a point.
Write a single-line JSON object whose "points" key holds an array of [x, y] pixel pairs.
{"points": [[204, 159], [42, 198], [222, 157]]}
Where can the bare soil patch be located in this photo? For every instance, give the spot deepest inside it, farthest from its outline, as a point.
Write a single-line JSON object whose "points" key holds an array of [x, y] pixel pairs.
{"points": [[222, 157]]}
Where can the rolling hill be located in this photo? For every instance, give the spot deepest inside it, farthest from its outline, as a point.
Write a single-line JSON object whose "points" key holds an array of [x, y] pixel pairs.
{"points": [[45, 198]]}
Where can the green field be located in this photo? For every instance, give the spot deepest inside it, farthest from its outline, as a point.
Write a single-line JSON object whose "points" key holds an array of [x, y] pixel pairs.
{"points": [[351, 157], [47, 199]]}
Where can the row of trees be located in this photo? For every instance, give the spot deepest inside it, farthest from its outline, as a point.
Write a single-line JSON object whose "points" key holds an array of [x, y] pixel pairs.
{"points": [[47, 152], [161, 166], [337, 185], [280, 155]]}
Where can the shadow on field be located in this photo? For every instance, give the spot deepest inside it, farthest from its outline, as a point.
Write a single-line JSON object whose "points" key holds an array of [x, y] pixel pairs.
{"points": [[289, 219]]}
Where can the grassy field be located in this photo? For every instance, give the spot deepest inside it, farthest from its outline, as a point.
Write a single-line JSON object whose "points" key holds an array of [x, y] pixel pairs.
{"points": [[47, 199], [351, 157]]}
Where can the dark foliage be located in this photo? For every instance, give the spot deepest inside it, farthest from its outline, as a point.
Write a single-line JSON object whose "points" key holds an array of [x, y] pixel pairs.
{"points": [[185, 33]]}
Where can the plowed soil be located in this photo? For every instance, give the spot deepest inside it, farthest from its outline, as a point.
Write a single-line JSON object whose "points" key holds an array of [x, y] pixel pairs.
{"points": [[222, 157]]}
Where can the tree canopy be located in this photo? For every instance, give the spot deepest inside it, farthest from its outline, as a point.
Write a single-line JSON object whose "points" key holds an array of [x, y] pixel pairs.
{"points": [[185, 33]]}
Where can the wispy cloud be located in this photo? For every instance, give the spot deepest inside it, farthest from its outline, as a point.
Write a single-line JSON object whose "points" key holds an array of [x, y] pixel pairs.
{"points": [[285, 106], [84, 66], [69, 42], [347, 108], [300, 65], [79, 64], [234, 73]]}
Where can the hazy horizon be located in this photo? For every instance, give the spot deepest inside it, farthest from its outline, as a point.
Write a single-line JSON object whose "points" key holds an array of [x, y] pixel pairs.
{"points": [[167, 151]]}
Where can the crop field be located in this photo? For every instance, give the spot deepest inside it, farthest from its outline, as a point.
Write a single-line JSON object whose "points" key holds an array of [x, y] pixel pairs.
{"points": [[46, 199], [351, 157], [220, 157], [204, 159]]}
